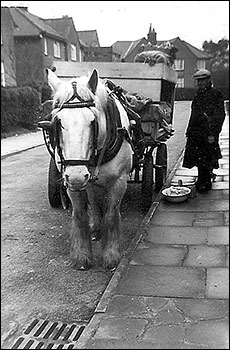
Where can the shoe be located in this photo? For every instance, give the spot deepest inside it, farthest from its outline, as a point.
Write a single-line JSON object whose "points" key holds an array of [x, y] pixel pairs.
{"points": [[203, 188], [213, 176]]}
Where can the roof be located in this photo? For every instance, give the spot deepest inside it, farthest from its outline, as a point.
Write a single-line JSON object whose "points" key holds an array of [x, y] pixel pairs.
{"points": [[171, 41], [88, 38], [61, 25], [196, 52], [27, 24], [125, 47], [121, 47]]}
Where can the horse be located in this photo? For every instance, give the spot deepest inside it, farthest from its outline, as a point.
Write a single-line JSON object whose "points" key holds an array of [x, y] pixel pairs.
{"points": [[94, 154]]}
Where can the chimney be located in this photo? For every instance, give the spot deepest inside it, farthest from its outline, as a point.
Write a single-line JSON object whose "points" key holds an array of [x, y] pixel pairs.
{"points": [[152, 35]]}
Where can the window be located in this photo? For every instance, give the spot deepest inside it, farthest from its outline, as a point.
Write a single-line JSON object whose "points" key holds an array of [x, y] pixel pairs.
{"points": [[57, 49], [45, 47], [179, 64], [81, 56], [3, 83], [200, 64], [73, 53], [180, 83]]}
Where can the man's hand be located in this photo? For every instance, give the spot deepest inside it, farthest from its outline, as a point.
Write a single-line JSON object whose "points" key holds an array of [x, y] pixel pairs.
{"points": [[211, 139]]}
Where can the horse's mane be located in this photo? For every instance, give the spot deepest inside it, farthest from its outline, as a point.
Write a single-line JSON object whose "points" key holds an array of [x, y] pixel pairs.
{"points": [[65, 92]]}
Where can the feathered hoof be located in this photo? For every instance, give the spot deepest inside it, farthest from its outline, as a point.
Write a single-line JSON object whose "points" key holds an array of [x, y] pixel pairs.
{"points": [[111, 263], [110, 266], [85, 266], [81, 265], [96, 236]]}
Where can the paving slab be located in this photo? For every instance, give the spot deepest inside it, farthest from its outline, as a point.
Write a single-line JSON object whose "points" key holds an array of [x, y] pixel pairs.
{"points": [[203, 256], [159, 255], [163, 281], [177, 234], [217, 283]]}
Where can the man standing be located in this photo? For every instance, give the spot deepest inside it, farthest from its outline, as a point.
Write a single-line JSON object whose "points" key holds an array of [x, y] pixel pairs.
{"points": [[204, 126]]}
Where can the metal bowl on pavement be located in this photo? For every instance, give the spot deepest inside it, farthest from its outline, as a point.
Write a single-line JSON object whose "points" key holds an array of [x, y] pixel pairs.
{"points": [[176, 194]]}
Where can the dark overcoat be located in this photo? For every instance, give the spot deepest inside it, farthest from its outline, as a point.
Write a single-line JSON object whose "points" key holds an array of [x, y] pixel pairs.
{"points": [[207, 117]]}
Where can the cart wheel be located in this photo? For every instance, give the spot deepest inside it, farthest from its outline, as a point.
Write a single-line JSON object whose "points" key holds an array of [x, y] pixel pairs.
{"points": [[54, 182], [161, 173], [65, 201], [147, 180]]}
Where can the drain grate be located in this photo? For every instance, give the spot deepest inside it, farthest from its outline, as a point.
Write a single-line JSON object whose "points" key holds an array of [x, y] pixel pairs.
{"points": [[44, 334]]}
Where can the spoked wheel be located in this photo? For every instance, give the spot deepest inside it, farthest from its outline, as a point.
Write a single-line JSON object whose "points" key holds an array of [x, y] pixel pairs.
{"points": [[54, 184], [65, 201], [161, 171], [147, 180], [56, 190]]}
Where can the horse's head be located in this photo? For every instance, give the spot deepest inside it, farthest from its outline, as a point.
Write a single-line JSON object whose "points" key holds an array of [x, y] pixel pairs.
{"points": [[75, 127]]}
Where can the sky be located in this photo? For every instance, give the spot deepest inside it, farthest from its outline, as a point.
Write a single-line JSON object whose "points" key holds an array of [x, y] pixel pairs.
{"points": [[191, 21]]}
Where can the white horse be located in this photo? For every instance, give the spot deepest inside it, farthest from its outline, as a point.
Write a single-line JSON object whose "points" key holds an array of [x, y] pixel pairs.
{"points": [[93, 152]]}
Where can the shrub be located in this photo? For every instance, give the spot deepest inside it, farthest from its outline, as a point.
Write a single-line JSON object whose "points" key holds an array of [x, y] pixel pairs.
{"points": [[184, 94], [19, 106]]}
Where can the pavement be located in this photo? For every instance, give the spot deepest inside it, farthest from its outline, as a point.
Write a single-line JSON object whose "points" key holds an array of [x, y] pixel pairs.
{"points": [[20, 143], [171, 288]]}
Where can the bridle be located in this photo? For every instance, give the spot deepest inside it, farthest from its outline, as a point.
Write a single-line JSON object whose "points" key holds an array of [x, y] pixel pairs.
{"points": [[57, 125], [116, 133]]}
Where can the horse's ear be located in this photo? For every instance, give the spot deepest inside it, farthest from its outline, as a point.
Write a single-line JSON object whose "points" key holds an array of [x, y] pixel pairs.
{"points": [[53, 81], [93, 81]]}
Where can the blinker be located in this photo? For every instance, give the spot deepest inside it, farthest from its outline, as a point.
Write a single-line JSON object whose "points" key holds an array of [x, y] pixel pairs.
{"points": [[46, 125]]}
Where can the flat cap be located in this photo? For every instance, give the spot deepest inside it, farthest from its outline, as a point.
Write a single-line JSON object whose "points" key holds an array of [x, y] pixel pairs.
{"points": [[201, 74]]}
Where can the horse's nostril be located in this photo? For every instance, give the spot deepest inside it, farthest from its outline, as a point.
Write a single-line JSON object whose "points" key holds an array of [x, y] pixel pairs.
{"points": [[66, 178]]}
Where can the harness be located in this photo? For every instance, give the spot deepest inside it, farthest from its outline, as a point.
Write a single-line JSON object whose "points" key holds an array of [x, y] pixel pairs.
{"points": [[115, 133]]}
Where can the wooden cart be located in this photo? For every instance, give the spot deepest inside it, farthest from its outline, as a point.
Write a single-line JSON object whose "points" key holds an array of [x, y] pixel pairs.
{"points": [[154, 82]]}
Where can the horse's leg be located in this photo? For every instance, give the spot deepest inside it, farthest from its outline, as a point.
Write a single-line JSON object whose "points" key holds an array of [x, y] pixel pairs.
{"points": [[81, 254], [111, 227], [95, 213]]}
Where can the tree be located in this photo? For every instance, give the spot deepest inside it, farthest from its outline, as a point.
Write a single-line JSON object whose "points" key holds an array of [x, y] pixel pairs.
{"points": [[219, 63], [219, 52]]}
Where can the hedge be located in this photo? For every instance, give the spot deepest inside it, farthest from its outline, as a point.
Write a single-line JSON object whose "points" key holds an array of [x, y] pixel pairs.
{"points": [[19, 108], [184, 94], [187, 94]]}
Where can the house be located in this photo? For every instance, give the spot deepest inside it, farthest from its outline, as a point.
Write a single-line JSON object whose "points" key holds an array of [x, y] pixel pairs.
{"points": [[93, 52], [88, 38], [129, 49], [36, 44], [188, 58], [65, 27], [30, 43], [8, 60], [101, 54]]}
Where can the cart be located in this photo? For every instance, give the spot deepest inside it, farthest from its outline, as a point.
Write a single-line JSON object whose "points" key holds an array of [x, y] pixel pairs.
{"points": [[158, 83], [149, 143]]}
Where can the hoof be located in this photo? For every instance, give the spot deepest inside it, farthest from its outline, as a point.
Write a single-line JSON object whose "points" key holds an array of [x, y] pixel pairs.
{"points": [[111, 266], [96, 236], [83, 266]]}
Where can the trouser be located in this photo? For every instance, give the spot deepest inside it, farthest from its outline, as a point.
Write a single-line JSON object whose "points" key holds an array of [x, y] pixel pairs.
{"points": [[204, 181]]}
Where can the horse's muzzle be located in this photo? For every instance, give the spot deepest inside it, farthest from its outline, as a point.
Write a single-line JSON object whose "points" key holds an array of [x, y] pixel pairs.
{"points": [[76, 178]]}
